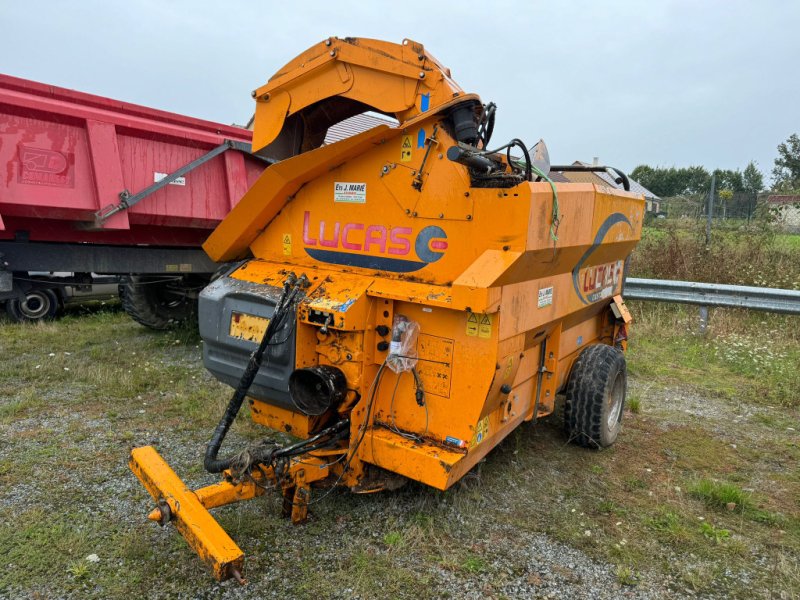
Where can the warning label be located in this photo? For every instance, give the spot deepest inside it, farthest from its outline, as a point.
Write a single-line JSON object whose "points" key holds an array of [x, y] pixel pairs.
{"points": [[287, 244], [472, 324], [481, 432], [435, 365], [354, 193], [545, 297], [479, 325], [405, 149], [509, 368], [485, 326]]}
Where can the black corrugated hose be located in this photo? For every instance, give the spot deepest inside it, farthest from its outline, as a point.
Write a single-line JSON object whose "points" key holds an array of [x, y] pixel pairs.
{"points": [[283, 308]]}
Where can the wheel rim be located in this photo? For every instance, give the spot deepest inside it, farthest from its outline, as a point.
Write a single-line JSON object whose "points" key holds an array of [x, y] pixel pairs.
{"points": [[35, 306], [615, 399], [169, 297]]}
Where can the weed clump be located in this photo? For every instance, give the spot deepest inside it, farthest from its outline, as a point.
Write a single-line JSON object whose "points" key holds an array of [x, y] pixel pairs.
{"points": [[718, 535], [720, 495], [626, 576]]}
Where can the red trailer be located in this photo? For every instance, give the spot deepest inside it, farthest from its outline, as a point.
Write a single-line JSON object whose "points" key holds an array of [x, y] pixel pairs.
{"points": [[95, 185]]}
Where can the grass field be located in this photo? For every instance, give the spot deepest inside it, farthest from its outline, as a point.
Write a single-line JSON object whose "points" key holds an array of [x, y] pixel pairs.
{"points": [[701, 494], [746, 256]]}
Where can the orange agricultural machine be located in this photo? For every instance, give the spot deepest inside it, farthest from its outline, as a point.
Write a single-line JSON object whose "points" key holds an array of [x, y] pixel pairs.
{"points": [[402, 299]]}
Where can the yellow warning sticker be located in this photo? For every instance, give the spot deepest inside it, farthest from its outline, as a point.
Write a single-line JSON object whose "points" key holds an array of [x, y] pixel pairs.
{"points": [[481, 432], [287, 244], [405, 149], [472, 324], [485, 326], [509, 368]]}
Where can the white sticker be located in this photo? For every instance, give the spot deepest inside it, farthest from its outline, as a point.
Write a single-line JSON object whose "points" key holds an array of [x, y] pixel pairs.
{"points": [[605, 293], [354, 193], [545, 297], [395, 347], [159, 176]]}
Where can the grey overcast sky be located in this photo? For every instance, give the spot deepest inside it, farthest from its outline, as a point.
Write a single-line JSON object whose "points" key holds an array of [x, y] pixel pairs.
{"points": [[715, 83]]}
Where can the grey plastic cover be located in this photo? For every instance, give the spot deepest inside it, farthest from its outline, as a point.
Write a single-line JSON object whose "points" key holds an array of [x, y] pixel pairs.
{"points": [[226, 357]]}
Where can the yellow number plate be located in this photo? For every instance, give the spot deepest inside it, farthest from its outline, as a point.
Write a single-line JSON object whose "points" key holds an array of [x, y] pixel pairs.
{"points": [[247, 327]]}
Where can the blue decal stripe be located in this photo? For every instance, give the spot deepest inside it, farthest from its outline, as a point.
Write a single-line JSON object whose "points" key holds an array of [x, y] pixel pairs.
{"points": [[424, 102], [612, 220], [379, 263], [421, 138]]}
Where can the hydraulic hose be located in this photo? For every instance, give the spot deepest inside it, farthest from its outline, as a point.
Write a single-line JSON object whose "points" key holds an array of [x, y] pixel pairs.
{"points": [[283, 307], [328, 435]]}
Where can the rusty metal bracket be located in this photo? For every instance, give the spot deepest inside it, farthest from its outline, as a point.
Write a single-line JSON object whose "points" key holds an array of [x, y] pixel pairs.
{"points": [[417, 183], [540, 371]]}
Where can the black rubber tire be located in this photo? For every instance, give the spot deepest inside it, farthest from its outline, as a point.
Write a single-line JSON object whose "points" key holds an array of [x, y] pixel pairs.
{"points": [[595, 397], [39, 305], [155, 303]]}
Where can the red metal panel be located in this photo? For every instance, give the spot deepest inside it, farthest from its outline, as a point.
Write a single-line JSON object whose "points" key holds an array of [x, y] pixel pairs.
{"points": [[64, 155], [236, 177], [106, 168], [199, 200], [46, 167]]}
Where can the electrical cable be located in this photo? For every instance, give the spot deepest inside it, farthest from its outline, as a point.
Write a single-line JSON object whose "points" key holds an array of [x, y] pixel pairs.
{"points": [[393, 423], [420, 394], [528, 165]]}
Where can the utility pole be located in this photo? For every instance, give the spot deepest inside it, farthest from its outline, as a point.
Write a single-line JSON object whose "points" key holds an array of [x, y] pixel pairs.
{"points": [[710, 210]]}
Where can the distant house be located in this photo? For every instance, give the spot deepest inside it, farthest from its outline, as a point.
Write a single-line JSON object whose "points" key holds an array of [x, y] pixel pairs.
{"points": [[786, 209], [347, 128], [653, 202]]}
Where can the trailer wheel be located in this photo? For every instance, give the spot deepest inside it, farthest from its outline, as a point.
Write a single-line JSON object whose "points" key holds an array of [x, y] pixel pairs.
{"points": [[595, 397], [39, 305], [156, 303]]}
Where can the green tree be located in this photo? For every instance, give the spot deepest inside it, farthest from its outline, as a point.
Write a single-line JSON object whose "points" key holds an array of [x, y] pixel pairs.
{"points": [[753, 179], [786, 173], [671, 181], [727, 179], [696, 180]]}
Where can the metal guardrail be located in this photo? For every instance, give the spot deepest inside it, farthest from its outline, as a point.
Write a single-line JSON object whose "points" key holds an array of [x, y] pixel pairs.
{"points": [[713, 294]]}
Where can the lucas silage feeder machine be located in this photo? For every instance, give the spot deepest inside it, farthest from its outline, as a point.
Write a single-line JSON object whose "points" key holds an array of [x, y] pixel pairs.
{"points": [[402, 299]]}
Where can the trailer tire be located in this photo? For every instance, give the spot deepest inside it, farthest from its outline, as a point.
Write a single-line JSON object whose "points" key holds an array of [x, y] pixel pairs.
{"points": [[151, 302], [40, 304], [595, 397]]}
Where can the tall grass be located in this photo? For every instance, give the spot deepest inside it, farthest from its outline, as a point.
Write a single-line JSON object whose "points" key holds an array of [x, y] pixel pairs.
{"points": [[747, 256]]}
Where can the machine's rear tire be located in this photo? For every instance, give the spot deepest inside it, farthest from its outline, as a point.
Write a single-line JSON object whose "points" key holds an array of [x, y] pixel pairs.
{"points": [[157, 303], [39, 305], [595, 397]]}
